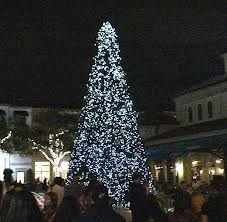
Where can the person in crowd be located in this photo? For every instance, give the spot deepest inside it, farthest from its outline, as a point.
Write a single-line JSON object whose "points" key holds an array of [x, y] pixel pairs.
{"points": [[101, 210], [72, 205], [19, 187], [91, 188], [23, 208], [50, 206], [137, 197], [45, 187], [181, 198], [196, 184], [92, 182], [9, 195], [154, 210], [38, 185], [214, 208], [1, 193], [57, 187], [74, 186]]}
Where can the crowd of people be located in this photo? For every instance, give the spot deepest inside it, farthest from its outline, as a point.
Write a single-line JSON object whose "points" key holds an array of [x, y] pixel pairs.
{"points": [[77, 203], [197, 201]]}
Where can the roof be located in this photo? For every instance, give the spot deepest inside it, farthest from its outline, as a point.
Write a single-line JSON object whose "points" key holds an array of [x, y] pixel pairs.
{"points": [[219, 124], [210, 82]]}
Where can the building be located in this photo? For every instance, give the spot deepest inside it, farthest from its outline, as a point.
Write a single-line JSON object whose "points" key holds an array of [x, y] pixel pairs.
{"points": [[198, 147], [33, 118]]}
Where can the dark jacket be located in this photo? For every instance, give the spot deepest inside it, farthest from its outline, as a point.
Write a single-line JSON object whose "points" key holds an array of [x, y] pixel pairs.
{"points": [[101, 214], [137, 195]]}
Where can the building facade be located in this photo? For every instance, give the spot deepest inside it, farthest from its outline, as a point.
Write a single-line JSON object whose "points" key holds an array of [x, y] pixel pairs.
{"points": [[20, 163], [197, 148]]}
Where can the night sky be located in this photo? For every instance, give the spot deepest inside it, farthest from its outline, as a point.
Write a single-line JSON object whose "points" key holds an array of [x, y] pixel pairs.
{"points": [[46, 50]]}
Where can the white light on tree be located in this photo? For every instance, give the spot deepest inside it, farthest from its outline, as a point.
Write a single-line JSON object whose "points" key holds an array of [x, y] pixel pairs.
{"points": [[3, 140], [54, 152], [107, 141]]}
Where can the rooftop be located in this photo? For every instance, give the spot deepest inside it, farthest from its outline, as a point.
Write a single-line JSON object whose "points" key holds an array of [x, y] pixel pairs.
{"points": [[219, 124], [210, 82]]}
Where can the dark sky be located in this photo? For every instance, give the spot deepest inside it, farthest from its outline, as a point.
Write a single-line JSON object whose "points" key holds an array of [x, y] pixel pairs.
{"points": [[46, 50]]}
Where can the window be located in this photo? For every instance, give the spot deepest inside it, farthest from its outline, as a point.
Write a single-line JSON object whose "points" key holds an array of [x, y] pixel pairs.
{"points": [[210, 109], [20, 177], [190, 117], [200, 112], [42, 170], [20, 117]]}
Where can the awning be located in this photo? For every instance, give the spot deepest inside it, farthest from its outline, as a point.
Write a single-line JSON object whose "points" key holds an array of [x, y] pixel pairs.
{"points": [[203, 144]]}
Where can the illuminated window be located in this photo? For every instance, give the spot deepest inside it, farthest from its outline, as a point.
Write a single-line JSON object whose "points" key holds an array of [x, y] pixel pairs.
{"points": [[210, 109], [190, 116], [42, 170], [20, 177], [200, 112]]}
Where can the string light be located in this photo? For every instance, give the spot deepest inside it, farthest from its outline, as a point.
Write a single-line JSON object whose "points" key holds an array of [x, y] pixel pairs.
{"points": [[107, 142], [54, 152], [6, 138]]}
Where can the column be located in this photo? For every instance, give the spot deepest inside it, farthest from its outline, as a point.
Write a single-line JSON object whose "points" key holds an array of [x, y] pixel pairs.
{"points": [[205, 177], [187, 169], [225, 161], [170, 165]]}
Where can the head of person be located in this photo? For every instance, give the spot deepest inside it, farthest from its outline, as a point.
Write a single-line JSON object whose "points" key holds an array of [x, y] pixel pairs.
{"points": [[136, 177], [68, 210], [51, 201], [23, 208], [100, 196], [1, 192], [75, 178], [58, 181]]}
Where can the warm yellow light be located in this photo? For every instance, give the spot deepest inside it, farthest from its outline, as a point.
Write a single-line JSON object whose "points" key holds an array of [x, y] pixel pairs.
{"points": [[220, 171], [212, 171], [179, 169], [195, 162], [218, 160]]}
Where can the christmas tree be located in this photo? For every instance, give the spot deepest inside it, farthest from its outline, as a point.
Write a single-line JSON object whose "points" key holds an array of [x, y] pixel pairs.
{"points": [[107, 142]]}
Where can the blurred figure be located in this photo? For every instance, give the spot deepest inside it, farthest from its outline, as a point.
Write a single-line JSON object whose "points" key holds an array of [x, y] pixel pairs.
{"points": [[92, 182], [45, 187], [50, 206], [91, 189], [74, 187], [214, 208], [182, 198], [101, 211], [154, 210], [37, 185], [19, 187], [57, 187], [137, 198], [23, 208], [72, 205], [1, 193], [6, 203]]}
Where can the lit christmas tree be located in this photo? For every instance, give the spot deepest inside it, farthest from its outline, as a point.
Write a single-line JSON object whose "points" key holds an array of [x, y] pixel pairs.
{"points": [[107, 142]]}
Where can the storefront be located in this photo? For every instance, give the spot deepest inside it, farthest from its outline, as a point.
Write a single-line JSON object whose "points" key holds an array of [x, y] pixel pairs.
{"points": [[200, 158]]}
